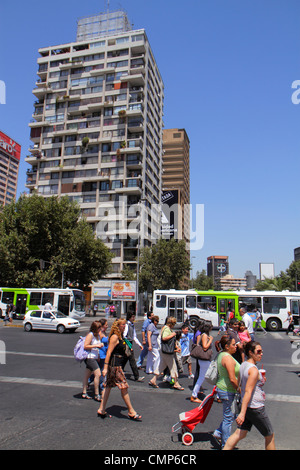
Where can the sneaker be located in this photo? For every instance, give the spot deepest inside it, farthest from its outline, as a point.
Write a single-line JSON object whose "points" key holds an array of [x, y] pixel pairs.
{"points": [[140, 379], [217, 438], [191, 376]]}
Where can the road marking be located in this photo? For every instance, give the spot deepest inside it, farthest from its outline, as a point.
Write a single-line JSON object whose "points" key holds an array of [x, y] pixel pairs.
{"points": [[76, 384], [19, 353]]}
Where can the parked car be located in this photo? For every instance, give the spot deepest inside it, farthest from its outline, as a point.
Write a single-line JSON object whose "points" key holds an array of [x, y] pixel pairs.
{"points": [[49, 320]]}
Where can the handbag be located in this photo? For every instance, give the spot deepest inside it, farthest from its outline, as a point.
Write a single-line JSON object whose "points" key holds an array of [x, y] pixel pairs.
{"points": [[211, 375], [128, 347], [236, 405], [197, 352], [168, 347]]}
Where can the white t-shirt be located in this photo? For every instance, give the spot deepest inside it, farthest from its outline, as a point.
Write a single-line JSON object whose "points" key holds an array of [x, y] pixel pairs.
{"points": [[248, 322]]}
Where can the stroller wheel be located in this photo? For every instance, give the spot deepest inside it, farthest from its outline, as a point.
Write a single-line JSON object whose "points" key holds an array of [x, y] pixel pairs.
{"points": [[187, 438]]}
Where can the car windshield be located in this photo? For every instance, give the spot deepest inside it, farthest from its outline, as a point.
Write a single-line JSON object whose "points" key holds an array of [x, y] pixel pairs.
{"points": [[58, 314]]}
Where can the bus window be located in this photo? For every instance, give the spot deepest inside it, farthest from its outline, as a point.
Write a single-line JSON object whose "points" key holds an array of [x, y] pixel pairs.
{"points": [[206, 302], [161, 301], [274, 304], [8, 297], [190, 301], [35, 298], [250, 303], [48, 297]]}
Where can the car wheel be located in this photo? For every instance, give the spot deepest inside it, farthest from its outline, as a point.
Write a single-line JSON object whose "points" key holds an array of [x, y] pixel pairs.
{"points": [[61, 329], [28, 327]]}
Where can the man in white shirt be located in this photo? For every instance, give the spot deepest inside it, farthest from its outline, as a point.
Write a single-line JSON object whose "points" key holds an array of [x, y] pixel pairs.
{"points": [[248, 322]]}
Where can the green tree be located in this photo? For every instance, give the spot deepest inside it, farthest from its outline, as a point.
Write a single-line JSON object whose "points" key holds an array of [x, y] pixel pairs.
{"points": [[279, 283], [164, 265], [202, 281], [36, 228]]}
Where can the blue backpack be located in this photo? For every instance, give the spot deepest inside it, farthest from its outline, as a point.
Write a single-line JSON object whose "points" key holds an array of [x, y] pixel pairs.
{"points": [[80, 353]]}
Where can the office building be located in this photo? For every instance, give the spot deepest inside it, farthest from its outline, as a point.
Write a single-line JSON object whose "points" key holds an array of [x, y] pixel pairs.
{"points": [[176, 183], [217, 267], [10, 154], [97, 132]]}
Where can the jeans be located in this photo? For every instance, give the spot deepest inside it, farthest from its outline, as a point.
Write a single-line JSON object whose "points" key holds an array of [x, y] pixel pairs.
{"points": [[142, 356], [203, 365], [224, 430]]}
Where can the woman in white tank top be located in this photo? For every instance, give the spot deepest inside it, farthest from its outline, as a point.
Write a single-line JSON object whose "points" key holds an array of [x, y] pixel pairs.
{"points": [[253, 400]]}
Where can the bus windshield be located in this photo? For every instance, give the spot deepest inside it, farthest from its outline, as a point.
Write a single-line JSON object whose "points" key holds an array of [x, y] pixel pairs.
{"points": [[79, 300]]}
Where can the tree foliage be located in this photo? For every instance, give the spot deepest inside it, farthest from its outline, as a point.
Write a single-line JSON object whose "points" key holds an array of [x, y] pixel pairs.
{"points": [[164, 265], [202, 281], [36, 228]]}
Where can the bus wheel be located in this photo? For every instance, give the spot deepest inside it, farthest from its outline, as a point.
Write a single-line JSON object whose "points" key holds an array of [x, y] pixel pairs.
{"points": [[193, 321], [273, 324], [61, 329]]}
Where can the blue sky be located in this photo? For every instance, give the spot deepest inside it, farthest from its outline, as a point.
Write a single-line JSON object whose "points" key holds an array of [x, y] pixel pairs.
{"points": [[228, 67]]}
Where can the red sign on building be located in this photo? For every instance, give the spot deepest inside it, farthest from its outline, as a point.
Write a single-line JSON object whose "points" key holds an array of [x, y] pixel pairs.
{"points": [[9, 146]]}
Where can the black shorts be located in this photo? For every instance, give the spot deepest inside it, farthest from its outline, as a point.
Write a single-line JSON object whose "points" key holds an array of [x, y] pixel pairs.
{"points": [[92, 364], [257, 417]]}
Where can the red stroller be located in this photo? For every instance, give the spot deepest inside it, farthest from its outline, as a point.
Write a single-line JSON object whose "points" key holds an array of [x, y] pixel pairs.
{"points": [[189, 419]]}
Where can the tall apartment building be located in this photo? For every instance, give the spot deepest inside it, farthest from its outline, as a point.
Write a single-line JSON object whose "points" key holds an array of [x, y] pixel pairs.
{"points": [[176, 177], [10, 154], [97, 132]]}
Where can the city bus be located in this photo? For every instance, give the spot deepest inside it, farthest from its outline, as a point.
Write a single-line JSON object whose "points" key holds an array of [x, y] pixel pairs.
{"points": [[210, 305], [69, 301]]}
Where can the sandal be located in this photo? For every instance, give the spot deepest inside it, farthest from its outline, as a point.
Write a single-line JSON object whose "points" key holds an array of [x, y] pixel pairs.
{"points": [[178, 388], [103, 415], [136, 417], [97, 398], [86, 396], [153, 385]]}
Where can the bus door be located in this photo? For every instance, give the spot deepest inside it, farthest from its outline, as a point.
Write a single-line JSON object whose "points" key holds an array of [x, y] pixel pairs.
{"points": [[226, 307], [295, 311], [176, 308], [63, 304], [21, 302]]}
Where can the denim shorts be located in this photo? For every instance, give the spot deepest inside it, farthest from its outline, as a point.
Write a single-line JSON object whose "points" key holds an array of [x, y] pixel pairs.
{"points": [[257, 417]]}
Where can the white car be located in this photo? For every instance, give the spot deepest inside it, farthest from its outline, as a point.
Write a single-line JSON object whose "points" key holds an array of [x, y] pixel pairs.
{"points": [[49, 320]]}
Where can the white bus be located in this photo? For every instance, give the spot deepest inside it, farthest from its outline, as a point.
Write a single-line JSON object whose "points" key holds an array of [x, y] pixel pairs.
{"points": [[68, 301], [210, 305]]}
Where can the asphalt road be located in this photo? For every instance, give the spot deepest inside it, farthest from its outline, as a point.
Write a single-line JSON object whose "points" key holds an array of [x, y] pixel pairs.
{"points": [[41, 406]]}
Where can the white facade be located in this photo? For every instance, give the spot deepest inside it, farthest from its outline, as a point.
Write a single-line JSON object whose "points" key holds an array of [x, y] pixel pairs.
{"points": [[97, 137]]}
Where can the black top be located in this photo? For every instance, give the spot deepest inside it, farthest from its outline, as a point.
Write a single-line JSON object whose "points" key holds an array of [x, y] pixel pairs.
{"points": [[117, 357]]}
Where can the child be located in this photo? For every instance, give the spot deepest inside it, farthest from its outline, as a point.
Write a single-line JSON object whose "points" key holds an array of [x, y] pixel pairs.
{"points": [[243, 333], [185, 348], [223, 324]]}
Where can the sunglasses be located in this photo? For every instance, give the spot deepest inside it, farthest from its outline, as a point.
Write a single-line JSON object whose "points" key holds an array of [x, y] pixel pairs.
{"points": [[259, 351]]}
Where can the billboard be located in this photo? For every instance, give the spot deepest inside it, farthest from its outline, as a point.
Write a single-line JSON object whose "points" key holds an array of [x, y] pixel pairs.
{"points": [[9, 146], [123, 290], [266, 271], [169, 214]]}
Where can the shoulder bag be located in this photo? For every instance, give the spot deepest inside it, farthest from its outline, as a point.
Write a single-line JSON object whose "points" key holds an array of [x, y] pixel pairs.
{"points": [[197, 352], [168, 347], [211, 375]]}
